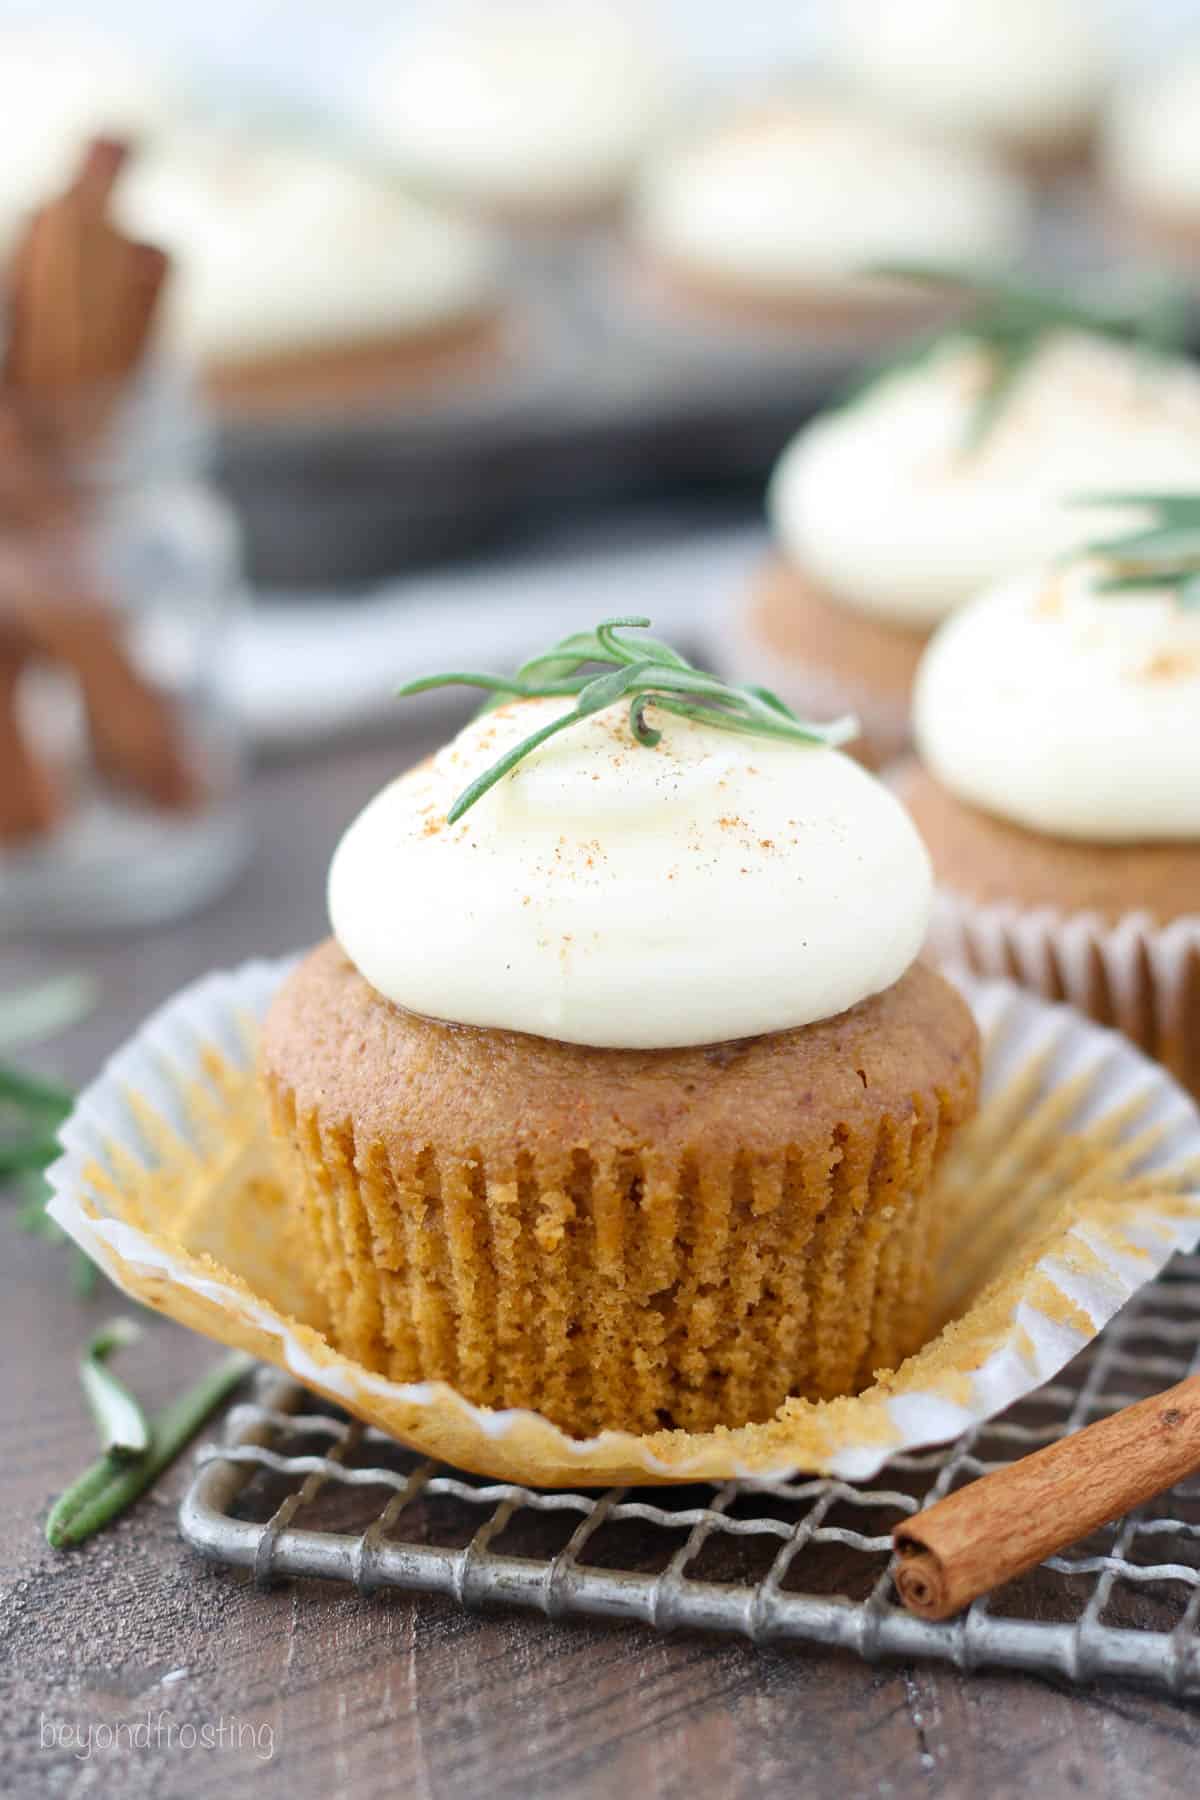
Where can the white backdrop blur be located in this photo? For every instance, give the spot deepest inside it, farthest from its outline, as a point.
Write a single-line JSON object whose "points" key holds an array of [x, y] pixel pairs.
{"points": [[311, 52], [317, 51]]}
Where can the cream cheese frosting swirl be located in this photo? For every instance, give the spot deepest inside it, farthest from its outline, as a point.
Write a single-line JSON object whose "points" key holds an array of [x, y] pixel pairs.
{"points": [[1024, 72], [523, 108], [1151, 148], [888, 507], [801, 194], [714, 887], [1068, 710], [282, 248]]}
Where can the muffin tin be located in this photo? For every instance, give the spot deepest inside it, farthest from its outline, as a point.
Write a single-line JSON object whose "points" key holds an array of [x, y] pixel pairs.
{"points": [[601, 391]]}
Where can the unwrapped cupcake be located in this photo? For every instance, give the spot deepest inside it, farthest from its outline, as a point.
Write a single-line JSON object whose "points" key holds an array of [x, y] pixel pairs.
{"points": [[299, 275], [953, 469], [773, 215], [1058, 727], [618, 1092]]}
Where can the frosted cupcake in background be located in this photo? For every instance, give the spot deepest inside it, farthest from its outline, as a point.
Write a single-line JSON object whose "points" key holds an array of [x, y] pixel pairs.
{"points": [[1058, 789], [299, 277], [61, 86], [1150, 156], [530, 114], [949, 471], [1024, 77], [772, 215]]}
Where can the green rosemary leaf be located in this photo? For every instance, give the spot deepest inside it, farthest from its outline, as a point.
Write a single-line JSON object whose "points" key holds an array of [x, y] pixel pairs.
{"points": [[491, 776], [649, 673], [85, 1276], [120, 1421], [1163, 555], [841, 731], [112, 1484], [494, 684], [34, 1093], [30, 1014], [21, 1155], [1009, 318], [768, 698], [649, 735]]}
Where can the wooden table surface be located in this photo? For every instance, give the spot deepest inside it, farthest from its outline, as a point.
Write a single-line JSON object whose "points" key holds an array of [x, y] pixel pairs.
{"points": [[364, 1697]]}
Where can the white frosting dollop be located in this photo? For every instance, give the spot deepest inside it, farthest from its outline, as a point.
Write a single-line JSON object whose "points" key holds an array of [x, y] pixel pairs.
{"points": [[1151, 147], [278, 247], [887, 507], [715, 887], [801, 195], [526, 107], [1067, 710], [59, 86], [1026, 72]]}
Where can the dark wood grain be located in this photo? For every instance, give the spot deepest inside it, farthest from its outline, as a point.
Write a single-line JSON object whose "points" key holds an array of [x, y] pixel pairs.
{"points": [[411, 1696]]}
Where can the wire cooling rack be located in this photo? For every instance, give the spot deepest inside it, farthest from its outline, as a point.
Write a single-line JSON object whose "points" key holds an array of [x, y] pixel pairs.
{"points": [[298, 1489]]}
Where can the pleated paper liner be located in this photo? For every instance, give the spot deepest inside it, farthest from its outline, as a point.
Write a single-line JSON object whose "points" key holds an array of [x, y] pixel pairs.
{"points": [[1078, 1180], [1139, 976]]}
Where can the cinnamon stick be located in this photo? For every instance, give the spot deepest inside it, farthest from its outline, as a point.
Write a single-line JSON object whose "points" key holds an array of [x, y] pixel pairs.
{"points": [[995, 1529], [82, 299]]}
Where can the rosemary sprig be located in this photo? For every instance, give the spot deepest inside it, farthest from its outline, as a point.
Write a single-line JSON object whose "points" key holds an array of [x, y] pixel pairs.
{"points": [[1163, 554], [1011, 318], [646, 673], [114, 1481], [38, 1107], [120, 1421]]}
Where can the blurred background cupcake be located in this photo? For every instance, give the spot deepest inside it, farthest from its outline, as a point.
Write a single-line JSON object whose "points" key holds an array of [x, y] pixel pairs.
{"points": [[301, 277], [534, 114], [775, 213], [945, 473], [1058, 787], [1025, 77], [1150, 160]]}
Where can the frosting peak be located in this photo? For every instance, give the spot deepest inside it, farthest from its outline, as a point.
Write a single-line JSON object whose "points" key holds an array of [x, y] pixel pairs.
{"points": [[1069, 710], [887, 505], [713, 887]]}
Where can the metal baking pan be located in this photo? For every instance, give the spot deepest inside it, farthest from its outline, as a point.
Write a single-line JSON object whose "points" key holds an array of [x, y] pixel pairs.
{"points": [[597, 394]]}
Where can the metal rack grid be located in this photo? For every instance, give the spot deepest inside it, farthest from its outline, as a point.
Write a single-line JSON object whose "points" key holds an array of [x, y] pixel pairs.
{"points": [[300, 1490]]}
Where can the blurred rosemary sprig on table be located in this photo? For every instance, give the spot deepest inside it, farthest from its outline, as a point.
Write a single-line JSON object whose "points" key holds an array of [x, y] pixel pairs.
{"points": [[646, 673], [1011, 318], [134, 1451], [1163, 554], [32, 1107]]}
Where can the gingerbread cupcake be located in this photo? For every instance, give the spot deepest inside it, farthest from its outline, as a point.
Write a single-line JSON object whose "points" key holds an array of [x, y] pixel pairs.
{"points": [[1025, 78], [619, 1092], [1058, 789], [304, 279], [773, 216], [948, 472], [526, 115], [1150, 159]]}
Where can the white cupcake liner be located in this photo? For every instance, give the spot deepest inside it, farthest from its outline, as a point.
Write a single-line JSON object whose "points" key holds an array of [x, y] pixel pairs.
{"points": [[1141, 977], [166, 1182]]}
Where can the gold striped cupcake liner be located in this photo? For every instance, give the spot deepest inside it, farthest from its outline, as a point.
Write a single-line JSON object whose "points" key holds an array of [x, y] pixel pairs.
{"points": [[1073, 1186]]}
